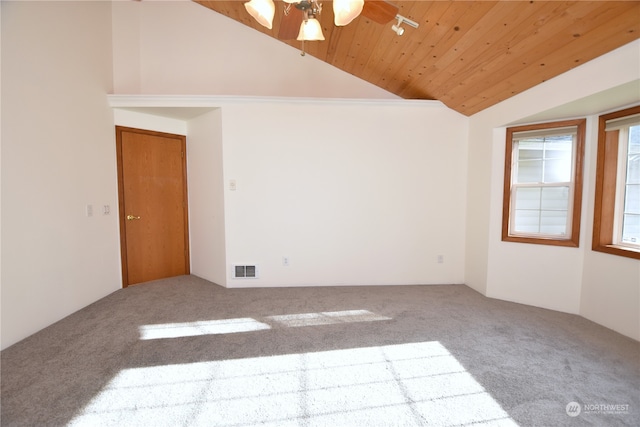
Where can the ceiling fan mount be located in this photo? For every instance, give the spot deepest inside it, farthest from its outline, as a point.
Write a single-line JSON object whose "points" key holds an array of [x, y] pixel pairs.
{"points": [[309, 8], [303, 5]]}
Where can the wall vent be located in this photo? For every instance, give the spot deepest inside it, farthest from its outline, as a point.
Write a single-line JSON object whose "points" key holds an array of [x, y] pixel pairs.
{"points": [[245, 271]]}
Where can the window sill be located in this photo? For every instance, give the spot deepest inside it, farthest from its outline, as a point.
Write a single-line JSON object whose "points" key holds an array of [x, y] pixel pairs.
{"points": [[624, 251], [541, 241]]}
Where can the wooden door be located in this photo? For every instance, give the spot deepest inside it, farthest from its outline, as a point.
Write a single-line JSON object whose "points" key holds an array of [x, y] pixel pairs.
{"points": [[152, 186]]}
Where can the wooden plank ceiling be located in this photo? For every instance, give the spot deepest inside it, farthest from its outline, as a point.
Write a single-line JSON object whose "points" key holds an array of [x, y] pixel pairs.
{"points": [[468, 54]]}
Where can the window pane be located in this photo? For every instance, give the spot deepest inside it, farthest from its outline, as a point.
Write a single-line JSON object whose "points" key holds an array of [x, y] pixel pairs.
{"points": [[633, 156], [527, 221], [631, 229], [634, 140], [555, 198], [545, 159], [633, 169], [553, 222], [557, 154], [529, 157], [527, 198], [530, 150], [630, 214], [632, 199], [529, 171], [541, 210], [558, 147], [558, 170]]}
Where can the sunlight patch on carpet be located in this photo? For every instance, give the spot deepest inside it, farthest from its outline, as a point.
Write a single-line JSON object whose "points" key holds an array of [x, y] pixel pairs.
{"points": [[327, 318], [207, 327], [405, 384], [246, 324]]}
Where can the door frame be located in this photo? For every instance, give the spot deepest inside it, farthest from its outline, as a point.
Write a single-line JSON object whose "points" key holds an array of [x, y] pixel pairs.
{"points": [[121, 207]]}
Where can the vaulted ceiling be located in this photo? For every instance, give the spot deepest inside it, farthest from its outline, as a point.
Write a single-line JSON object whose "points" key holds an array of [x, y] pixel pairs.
{"points": [[468, 54]]}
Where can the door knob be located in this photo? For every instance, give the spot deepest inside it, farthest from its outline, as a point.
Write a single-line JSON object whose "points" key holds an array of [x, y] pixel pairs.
{"points": [[130, 217]]}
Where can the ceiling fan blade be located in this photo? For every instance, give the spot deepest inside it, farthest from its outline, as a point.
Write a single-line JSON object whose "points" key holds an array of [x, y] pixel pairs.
{"points": [[380, 11], [290, 24]]}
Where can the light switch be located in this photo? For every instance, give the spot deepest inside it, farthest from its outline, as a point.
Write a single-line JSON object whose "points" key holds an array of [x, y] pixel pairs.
{"points": [[89, 210], [106, 210]]}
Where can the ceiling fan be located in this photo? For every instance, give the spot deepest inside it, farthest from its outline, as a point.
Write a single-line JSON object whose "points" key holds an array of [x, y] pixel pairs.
{"points": [[300, 22]]}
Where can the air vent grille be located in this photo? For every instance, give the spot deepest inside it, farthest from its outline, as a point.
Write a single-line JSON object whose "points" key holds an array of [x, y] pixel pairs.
{"points": [[245, 272]]}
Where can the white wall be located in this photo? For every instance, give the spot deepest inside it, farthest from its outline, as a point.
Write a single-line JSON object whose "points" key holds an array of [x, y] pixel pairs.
{"points": [[601, 287], [206, 197], [180, 47], [149, 121], [126, 46], [57, 157], [352, 193]]}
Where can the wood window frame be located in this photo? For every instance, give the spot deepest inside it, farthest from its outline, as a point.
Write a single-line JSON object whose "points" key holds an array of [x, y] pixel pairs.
{"points": [[578, 161], [606, 186]]}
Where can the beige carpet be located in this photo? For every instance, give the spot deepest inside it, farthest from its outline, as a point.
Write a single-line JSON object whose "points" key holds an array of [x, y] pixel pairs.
{"points": [[183, 352]]}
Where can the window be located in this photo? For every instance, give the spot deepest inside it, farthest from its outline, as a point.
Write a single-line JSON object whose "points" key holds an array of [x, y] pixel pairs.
{"points": [[616, 222], [543, 183]]}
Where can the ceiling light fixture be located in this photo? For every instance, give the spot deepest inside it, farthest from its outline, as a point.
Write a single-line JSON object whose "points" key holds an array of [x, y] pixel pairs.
{"points": [[397, 28], [402, 20], [262, 11], [344, 11], [310, 30], [301, 17]]}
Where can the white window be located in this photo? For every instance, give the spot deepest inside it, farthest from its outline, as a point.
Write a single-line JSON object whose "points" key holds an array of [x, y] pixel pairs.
{"points": [[543, 183], [626, 211]]}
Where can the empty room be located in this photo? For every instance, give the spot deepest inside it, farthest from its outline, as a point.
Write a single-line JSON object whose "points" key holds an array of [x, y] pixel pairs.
{"points": [[288, 213]]}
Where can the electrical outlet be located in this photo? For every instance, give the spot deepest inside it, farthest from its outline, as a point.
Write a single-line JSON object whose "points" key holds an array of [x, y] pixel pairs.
{"points": [[285, 261], [440, 259]]}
